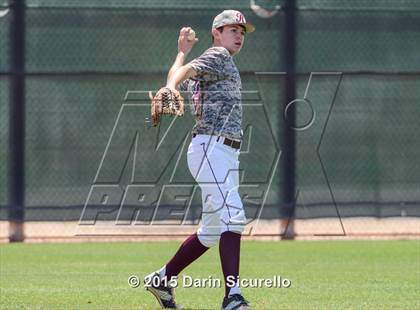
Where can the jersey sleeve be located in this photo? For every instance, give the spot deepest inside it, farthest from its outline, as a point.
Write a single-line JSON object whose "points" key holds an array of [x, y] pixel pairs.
{"points": [[210, 65]]}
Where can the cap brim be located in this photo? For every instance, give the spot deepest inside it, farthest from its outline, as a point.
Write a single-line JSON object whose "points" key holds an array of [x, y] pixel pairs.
{"points": [[249, 27]]}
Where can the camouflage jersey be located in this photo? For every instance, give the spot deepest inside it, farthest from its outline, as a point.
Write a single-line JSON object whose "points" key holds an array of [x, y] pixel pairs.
{"points": [[215, 94]]}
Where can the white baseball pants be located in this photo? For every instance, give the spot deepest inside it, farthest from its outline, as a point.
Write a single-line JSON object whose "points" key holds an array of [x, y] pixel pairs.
{"points": [[215, 167]]}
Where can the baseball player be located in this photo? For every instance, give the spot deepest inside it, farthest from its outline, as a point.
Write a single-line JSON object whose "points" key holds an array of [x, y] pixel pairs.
{"points": [[213, 85]]}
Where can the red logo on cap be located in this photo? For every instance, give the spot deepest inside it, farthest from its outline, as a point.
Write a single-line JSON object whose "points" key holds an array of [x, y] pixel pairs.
{"points": [[240, 18]]}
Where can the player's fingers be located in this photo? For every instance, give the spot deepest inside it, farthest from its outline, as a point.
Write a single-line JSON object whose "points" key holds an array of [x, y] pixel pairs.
{"points": [[187, 30]]}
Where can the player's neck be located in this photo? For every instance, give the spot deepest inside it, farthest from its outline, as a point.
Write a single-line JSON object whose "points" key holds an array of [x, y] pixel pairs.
{"points": [[217, 44]]}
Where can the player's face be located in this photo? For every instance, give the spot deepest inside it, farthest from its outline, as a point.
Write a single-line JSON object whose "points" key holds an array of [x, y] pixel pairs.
{"points": [[232, 38]]}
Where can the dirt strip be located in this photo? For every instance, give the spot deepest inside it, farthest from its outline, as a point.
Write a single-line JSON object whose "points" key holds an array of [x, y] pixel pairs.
{"points": [[308, 229]]}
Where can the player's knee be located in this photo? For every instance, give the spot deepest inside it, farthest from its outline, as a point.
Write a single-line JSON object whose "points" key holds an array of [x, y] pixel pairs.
{"points": [[233, 219], [208, 240]]}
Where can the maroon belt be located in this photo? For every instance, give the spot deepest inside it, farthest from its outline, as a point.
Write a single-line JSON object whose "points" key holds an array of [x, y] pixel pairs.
{"points": [[226, 141]]}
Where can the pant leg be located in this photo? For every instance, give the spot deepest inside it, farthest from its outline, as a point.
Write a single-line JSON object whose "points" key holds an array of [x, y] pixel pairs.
{"points": [[215, 168]]}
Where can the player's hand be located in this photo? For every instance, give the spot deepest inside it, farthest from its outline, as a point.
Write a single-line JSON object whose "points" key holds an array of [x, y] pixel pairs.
{"points": [[185, 45]]}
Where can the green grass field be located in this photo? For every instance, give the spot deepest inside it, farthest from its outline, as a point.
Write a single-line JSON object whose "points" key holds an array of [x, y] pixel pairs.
{"points": [[324, 275]]}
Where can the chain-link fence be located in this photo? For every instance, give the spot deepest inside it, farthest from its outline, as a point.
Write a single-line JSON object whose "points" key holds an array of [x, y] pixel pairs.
{"points": [[357, 77]]}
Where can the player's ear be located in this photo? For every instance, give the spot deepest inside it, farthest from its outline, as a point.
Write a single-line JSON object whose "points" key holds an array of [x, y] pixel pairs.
{"points": [[216, 34]]}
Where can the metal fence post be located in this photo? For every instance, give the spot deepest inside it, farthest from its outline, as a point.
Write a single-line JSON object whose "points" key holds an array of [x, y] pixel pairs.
{"points": [[289, 145], [16, 181]]}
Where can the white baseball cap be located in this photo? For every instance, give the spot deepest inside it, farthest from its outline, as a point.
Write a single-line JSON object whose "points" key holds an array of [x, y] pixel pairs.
{"points": [[232, 17]]}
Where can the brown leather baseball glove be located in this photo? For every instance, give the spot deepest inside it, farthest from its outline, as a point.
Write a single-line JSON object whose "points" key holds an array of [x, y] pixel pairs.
{"points": [[166, 101]]}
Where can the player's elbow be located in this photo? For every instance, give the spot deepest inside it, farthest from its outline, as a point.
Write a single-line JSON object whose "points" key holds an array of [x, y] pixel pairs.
{"points": [[189, 71]]}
